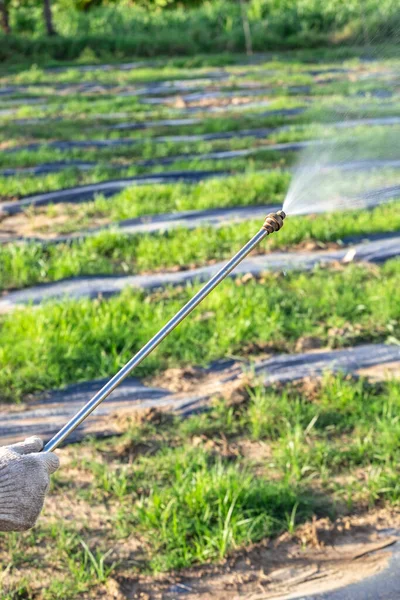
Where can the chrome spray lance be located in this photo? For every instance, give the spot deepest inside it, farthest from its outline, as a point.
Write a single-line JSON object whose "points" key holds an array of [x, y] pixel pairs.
{"points": [[273, 222]]}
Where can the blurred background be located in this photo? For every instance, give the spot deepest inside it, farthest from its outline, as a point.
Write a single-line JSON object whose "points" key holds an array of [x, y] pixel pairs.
{"points": [[166, 27]]}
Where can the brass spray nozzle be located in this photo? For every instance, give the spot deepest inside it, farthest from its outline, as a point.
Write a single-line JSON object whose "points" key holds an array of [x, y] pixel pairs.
{"points": [[274, 221]]}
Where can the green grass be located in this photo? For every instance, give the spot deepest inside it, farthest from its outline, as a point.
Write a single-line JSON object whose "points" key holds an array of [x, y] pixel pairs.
{"points": [[241, 190], [207, 510], [36, 80], [320, 433], [186, 504], [86, 126], [16, 187], [175, 493], [12, 188], [320, 437], [244, 190], [368, 142], [85, 566], [111, 252], [147, 151], [274, 75], [192, 507], [73, 119], [279, 85], [250, 188], [277, 163], [185, 492], [293, 66], [70, 341], [148, 148]]}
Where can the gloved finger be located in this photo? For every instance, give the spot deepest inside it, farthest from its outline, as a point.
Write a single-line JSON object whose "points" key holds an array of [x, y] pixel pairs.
{"points": [[50, 461], [31, 444]]}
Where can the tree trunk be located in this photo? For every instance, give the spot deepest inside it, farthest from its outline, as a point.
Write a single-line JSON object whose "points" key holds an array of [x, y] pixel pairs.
{"points": [[246, 28], [364, 21], [4, 17], [48, 18]]}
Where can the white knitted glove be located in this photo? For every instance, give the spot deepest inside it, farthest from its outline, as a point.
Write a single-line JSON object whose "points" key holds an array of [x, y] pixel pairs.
{"points": [[24, 482]]}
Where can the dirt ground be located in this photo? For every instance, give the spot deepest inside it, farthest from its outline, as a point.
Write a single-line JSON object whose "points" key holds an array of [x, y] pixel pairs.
{"points": [[321, 556]]}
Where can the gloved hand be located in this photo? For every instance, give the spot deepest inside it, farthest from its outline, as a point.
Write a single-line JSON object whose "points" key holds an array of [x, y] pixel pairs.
{"points": [[24, 482]]}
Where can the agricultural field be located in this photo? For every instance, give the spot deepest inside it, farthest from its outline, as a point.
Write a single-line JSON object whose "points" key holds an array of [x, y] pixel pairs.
{"points": [[255, 453]]}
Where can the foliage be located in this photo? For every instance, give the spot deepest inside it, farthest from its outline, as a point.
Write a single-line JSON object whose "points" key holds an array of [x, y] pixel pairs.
{"points": [[124, 29]]}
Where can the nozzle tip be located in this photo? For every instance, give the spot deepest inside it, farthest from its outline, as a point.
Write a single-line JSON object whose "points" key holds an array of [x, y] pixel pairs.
{"points": [[274, 221]]}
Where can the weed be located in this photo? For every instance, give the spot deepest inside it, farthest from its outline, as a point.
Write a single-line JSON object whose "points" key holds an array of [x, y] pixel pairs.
{"points": [[78, 340], [197, 489], [208, 509], [110, 252]]}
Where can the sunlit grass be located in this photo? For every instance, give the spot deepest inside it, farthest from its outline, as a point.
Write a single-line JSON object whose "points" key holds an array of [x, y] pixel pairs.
{"points": [[69, 341], [111, 252], [186, 492]]}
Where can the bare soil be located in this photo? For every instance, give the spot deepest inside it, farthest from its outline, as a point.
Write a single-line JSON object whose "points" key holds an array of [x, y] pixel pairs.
{"points": [[42, 223], [181, 102], [321, 556]]}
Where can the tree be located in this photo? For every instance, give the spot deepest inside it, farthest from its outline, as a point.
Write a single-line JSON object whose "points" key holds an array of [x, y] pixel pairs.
{"points": [[4, 16], [246, 28], [48, 18]]}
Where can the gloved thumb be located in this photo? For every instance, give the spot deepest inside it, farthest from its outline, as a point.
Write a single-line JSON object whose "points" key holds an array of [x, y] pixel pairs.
{"points": [[31, 444], [50, 461]]}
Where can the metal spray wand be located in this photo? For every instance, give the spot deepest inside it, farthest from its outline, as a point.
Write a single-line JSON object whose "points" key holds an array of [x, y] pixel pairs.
{"points": [[273, 222]]}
